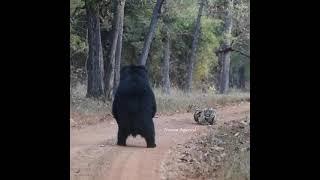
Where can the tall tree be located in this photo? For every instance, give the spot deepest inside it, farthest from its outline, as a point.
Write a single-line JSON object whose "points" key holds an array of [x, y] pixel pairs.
{"points": [[224, 52], [95, 69], [109, 68], [165, 67], [119, 48], [166, 63], [153, 24], [236, 38], [194, 48]]}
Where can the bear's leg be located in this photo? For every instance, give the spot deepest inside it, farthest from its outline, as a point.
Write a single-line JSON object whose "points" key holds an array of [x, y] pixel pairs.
{"points": [[149, 136], [122, 137]]}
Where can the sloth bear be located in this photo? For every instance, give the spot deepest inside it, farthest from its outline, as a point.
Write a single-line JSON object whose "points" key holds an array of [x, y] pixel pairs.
{"points": [[134, 105]]}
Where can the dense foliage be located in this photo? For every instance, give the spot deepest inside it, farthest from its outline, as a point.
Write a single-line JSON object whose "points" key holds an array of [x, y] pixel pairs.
{"points": [[178, 16]]}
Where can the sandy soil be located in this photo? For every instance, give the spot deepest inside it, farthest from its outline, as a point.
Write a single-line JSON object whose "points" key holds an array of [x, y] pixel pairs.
{"points": [[94, 154]]}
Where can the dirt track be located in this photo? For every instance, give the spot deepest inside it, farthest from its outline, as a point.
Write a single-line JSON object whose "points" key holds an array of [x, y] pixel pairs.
{"points": [[94, 155]]}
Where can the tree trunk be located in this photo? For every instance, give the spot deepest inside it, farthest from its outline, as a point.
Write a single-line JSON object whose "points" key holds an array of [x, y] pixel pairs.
{"points": [[242, 80], [109, 68], [225, 50], [119, 48], [194, 48], [166, 65], [153, 24], [106, 39], [225, 72], [95, 70]]}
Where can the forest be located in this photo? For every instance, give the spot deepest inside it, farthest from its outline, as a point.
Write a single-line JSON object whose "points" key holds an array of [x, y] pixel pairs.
{"points": [[194, 113], [187, 45]]}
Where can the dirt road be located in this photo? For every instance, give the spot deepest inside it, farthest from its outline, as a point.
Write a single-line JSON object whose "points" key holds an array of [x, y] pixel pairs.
{"points": [[94, 155]]}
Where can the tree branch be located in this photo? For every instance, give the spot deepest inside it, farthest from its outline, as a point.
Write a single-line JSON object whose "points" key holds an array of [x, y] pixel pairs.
{"points": [[242, 53], [232, 49], [223, 50]]}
